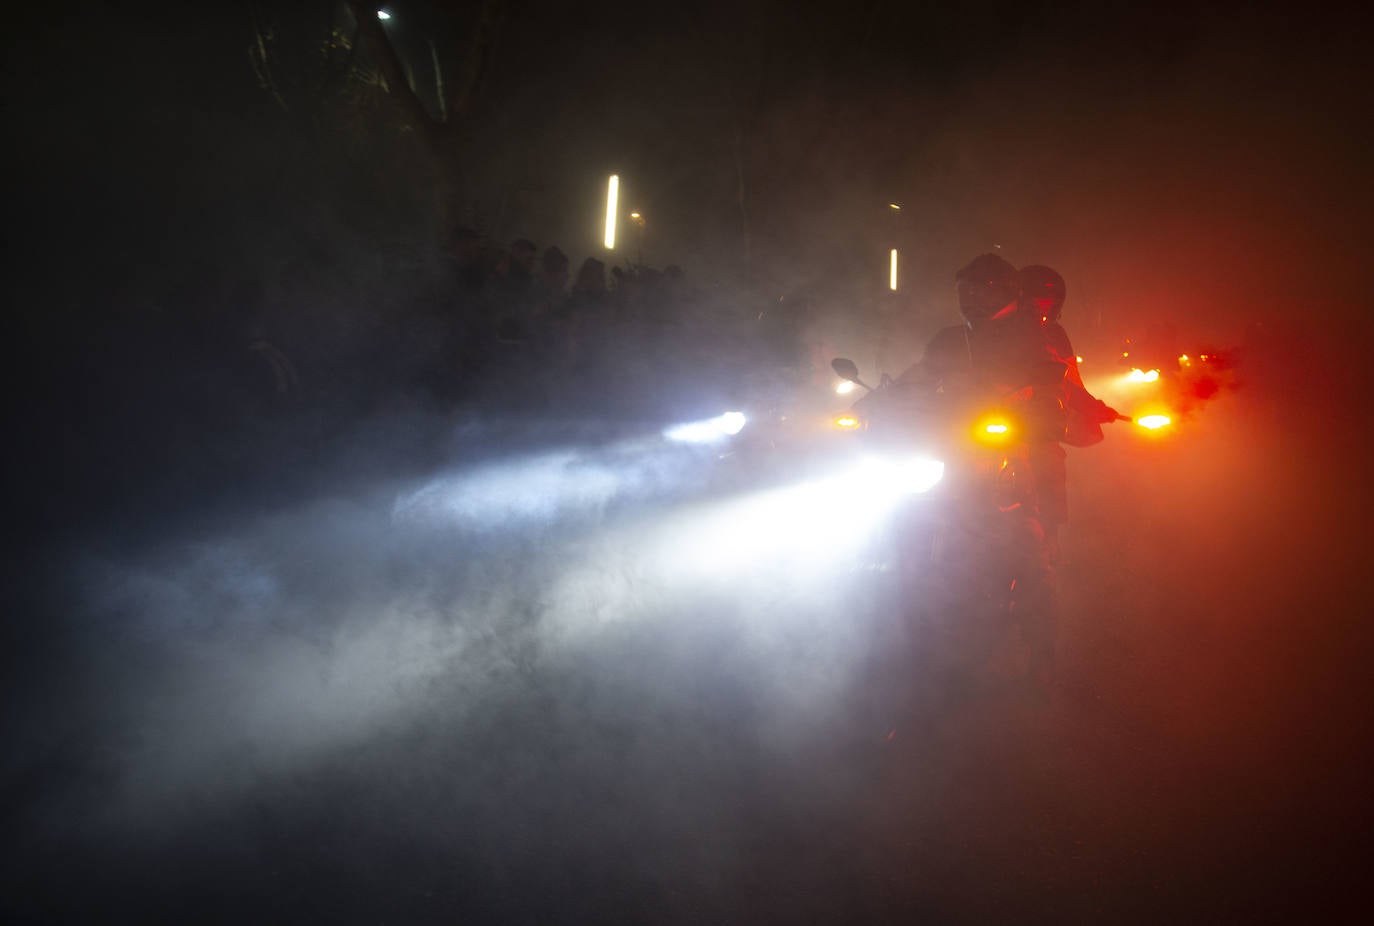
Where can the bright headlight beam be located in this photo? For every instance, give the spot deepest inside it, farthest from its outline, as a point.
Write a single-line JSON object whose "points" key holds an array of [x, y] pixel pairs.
{"points": [[712, 429], [612, 197], [891, 478]]}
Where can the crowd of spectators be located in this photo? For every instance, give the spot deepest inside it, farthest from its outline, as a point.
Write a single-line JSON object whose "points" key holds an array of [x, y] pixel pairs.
{"points": [[479, 328], [521, 327], [212, 373]]}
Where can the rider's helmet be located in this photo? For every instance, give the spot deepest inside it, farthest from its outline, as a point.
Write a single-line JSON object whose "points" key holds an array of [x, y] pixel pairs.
{"points": [[1043, 291], [988, 286]]}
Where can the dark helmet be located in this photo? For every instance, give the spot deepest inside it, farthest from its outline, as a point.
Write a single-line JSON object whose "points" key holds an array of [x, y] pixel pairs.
{"points": [[987, 284], [1043, 288]]}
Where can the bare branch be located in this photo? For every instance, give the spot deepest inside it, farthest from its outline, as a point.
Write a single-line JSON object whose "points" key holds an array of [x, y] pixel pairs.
{"points": [[438, 83], [476, 62], [393, 70], [257, 56]]}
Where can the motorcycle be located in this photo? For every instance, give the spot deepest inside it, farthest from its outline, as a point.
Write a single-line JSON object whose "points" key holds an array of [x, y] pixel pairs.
{"points": [[963, 553]]}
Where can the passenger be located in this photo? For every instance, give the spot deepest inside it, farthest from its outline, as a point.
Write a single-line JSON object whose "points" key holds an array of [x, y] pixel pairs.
{"points": [[1042, 293]]}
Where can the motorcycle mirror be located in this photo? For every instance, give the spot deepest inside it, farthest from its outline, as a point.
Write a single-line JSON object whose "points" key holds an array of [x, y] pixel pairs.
{"points": [[847, 370]]}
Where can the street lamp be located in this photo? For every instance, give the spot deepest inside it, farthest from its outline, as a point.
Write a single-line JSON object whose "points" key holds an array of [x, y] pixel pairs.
{"points": [[894, 210], [383, 15], [612, 195]]}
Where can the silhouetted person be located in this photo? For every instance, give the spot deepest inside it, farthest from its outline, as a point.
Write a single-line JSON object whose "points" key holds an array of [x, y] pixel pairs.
{"points": [[588, 312], [553, 281], [1043, 292], [589, 295], [997, 346], [467, 268]]}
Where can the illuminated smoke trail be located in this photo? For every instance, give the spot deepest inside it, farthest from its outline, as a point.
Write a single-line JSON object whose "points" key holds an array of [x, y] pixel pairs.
{"points": [[1159, 403], [312, 631]]}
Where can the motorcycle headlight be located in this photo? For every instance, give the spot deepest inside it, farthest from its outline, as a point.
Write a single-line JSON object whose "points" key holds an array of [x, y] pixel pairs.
{"points": [[711, 429]]}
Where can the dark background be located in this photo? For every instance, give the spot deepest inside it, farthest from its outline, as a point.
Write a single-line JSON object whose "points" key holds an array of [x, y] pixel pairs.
{"points": [[176, 554]]}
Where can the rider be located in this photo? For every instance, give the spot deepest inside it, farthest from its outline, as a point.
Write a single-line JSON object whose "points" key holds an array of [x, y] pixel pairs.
{"points": [[1000, 350], [1003, 346], [996, 345]]}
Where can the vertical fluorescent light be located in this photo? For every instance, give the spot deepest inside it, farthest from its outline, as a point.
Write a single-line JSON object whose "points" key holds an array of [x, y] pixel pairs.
{"points": [[892, 271], [612, 195]]}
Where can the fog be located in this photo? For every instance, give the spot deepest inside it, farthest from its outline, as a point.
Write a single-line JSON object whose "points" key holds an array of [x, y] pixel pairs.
{"points": [[386, 702], [417, 639]]}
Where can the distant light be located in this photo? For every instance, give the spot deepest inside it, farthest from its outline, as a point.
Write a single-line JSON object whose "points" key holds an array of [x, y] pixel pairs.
{"points": [[1182, 358], [383, 15], [635, 215], [612, 195], [892, 271], [894, 207], [1079, 358], [1153, 422], [1143, 376], [844, 387]]}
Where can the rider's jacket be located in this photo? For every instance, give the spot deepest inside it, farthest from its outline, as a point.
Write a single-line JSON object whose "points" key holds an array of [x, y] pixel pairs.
{"points": [[1059, 341], [1003, 356]]}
